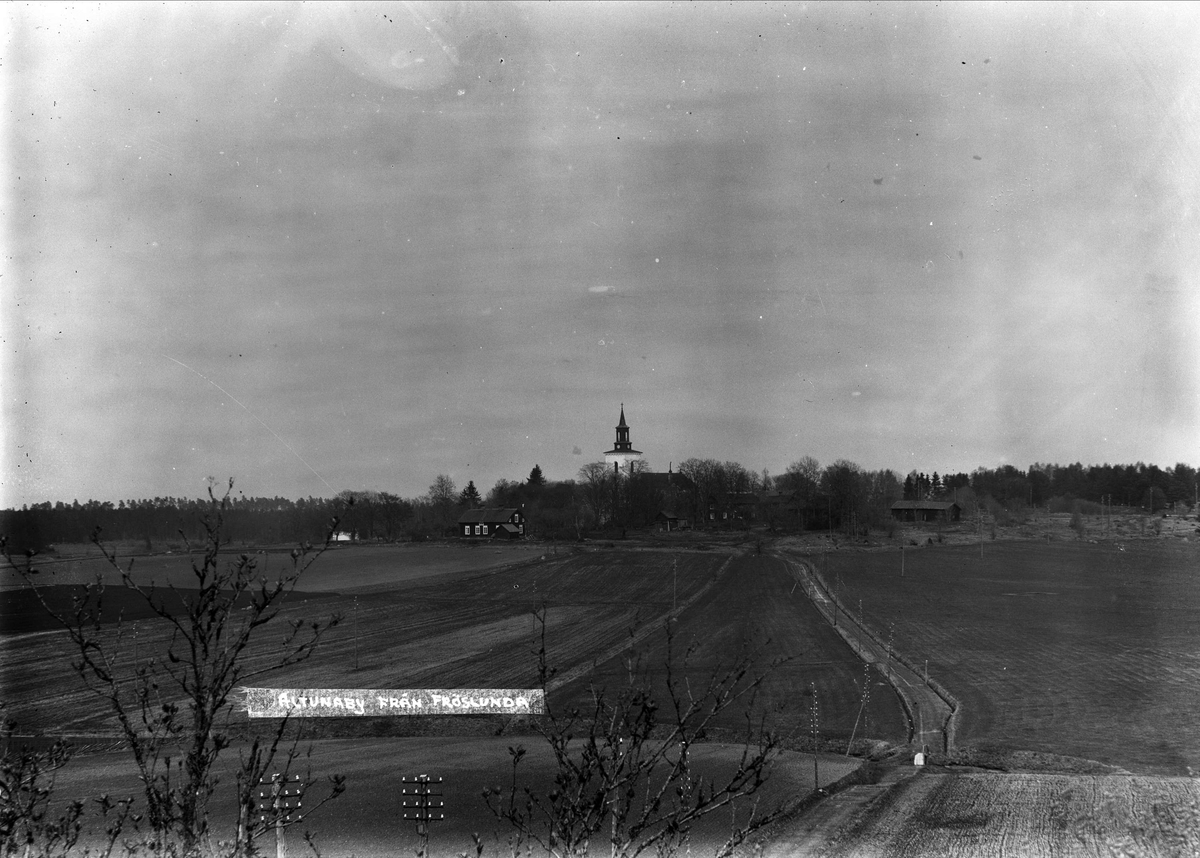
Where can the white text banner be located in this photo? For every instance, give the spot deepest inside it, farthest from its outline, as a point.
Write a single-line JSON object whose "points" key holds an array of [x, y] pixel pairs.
{"points": [[358, 702]]}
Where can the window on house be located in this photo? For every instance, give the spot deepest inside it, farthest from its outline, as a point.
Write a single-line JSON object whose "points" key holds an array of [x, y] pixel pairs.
{"points": [[477, 530]]}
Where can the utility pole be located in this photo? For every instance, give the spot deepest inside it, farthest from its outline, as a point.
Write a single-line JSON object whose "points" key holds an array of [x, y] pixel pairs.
{"points": [[674, 580], [815, 733], [278, 803], [979, 522], [423, 807]]}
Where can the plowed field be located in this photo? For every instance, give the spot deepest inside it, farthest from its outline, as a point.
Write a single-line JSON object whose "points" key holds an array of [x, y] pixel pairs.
{"points": [[1027, 816], [475, 629], [1087, 650]]}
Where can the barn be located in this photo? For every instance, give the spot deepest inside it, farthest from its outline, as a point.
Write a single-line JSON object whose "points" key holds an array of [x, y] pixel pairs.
{"points": [[926, 510], [492, 523]]}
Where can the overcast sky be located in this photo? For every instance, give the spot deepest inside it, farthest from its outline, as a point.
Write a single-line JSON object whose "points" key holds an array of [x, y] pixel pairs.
{"points": [[355, 246]]}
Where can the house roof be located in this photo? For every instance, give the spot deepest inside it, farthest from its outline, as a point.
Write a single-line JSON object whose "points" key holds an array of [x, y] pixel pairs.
{"points": [[492, 515], [668, 480], [924, 504], [781, 499]]}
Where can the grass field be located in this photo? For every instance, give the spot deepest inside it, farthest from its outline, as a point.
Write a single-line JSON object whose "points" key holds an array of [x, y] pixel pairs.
{"points": [[1088, 650], [1028, 816]]}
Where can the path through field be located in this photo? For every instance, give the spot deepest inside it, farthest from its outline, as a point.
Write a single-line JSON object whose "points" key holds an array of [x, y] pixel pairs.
{"points": [[928, 711], [1089, 651]]}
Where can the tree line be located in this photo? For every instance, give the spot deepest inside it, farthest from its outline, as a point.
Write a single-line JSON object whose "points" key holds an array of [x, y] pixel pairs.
{"points": [[839, 496], [1138, 486]]}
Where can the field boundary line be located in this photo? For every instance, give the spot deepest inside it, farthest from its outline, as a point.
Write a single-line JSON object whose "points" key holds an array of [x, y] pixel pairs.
{"points": [[821, 597], [637, 637], [951, 727]]}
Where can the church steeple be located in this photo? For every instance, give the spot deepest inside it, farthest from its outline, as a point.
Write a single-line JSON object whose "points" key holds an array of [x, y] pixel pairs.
{"points": [[622, 453], [623, 444]]}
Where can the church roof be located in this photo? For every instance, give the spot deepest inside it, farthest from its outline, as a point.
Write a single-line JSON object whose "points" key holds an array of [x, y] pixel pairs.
{"points": [[622, 423]]}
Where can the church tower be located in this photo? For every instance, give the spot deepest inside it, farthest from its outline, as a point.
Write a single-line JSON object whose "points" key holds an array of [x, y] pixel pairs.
{"points": [[622, 454]]}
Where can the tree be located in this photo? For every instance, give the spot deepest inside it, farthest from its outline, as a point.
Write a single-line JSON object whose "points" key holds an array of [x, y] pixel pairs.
{"points": [[470, 496], [624, 766], [504, 493], [535, 477], [803, 477], [26, 786], [174, 709], [843, 483], [442, 491], [596, 486], [442, 498]]}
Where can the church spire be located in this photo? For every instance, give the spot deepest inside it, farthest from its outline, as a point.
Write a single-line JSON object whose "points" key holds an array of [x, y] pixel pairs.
{"points": [[623, 444], [622, 452]]}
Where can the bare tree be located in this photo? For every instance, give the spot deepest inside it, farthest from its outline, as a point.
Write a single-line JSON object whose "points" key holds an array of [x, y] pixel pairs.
{"points": [[174, 709], [803, 477], [596, 484], [443, 497], [625, 771], [26, 785]]}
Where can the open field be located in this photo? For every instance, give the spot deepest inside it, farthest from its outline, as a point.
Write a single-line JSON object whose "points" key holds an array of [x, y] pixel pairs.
{"points": [[465, 629], [365, 821], [475, 628], [997, 815], [1087, 650], [340, 568], [1050, 647]]}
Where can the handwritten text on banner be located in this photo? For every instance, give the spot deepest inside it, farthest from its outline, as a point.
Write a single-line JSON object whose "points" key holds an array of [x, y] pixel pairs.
{"points": [[347, 702]]}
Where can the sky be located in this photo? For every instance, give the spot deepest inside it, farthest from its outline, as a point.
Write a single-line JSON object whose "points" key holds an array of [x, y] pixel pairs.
{"points": [[317, 247]]}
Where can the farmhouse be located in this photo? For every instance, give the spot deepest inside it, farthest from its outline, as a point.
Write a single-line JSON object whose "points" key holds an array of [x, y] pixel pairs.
{"points": [[926, 510], [492, 523]]}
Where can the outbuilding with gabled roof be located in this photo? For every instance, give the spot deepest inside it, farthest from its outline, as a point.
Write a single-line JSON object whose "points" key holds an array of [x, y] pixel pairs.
{"points": [[926, 510]]}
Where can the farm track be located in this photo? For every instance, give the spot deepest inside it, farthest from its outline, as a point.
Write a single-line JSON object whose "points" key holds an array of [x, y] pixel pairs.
{"points": [[753, 608], [923, 704], [1069, 648]]}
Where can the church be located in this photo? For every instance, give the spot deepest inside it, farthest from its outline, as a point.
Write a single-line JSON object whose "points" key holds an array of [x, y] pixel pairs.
{"points": [[659, 499], [621, 457]]}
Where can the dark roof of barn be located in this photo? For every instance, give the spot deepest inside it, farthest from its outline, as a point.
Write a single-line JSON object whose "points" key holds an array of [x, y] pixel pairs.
{"points": [[491, 515], [791, 499], [924, 504], [670, 479]]}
